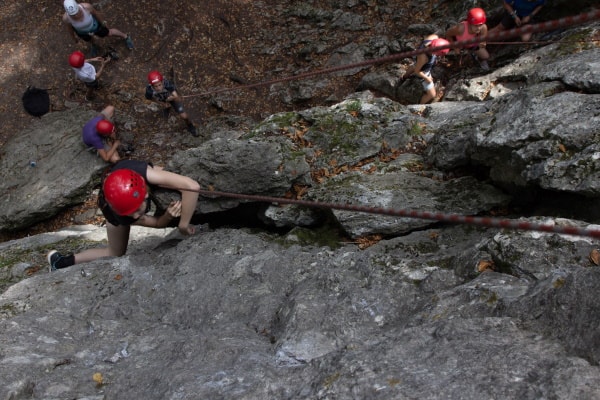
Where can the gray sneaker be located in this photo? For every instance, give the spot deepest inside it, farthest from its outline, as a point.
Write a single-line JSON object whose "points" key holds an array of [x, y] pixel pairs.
{"points": [[484, 65], [129, 42]]}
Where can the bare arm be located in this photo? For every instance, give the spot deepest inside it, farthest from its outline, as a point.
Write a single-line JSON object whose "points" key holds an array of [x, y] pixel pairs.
{"points": [[421, 61], [174, 96], [189, 193], [107, 155], [104, 62], [482, 33], [453, 32], [93, 11], [173, 211], [533, 14], [508, 7]]}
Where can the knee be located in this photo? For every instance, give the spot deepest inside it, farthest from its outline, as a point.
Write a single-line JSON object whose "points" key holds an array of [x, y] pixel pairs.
{"points": [[108, 111]]}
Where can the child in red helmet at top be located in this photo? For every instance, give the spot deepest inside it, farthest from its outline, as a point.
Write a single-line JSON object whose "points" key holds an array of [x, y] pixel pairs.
{"points": [[162, 90], [124, 200], [473, 27], [424, 64]]}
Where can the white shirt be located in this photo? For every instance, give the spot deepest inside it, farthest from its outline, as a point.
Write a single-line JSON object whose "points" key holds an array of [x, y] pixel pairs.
{"points": [[87, 73]]}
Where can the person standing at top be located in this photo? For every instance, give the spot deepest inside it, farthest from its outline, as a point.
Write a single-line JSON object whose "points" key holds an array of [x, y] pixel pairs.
{"points": [[162, 90], [84, 22], [124, 200], [99, 133], [518, 13], [473, 27], [424, 64], [86, 72]]}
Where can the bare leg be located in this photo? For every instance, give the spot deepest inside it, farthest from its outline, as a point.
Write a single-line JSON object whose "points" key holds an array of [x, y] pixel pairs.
{"points": [[483, 54], [116, 32], [118, 238], [428, 96]]}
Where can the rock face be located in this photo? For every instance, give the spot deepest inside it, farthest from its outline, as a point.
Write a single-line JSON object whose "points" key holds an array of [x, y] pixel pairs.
{"points": [[364, 306], [64, 173], [232, 314]]}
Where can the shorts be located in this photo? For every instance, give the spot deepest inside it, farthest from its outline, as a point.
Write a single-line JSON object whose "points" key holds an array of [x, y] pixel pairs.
{"points": [[178, 107], [427, 85], [93, 85], [102, 31]]}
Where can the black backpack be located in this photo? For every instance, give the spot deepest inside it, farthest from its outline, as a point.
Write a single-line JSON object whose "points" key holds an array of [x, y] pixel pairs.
{"points": [[36, 101]]}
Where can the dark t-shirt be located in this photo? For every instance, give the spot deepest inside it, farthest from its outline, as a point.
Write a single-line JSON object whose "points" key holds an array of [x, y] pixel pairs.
{"points": [[152, 94], [138, 166], [524, 8]]}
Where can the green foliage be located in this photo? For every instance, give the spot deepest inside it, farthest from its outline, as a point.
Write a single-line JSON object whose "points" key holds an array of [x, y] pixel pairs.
{"points": [[415, 129], [576, 43], [353, 106]]}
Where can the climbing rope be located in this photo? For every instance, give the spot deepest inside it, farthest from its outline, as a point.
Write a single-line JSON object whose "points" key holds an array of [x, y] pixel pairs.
{"points": [[544, 42], [507, 34], [488, 222]]}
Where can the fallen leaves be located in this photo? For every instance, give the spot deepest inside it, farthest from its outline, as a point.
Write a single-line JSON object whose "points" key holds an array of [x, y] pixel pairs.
{"points": [[485, 265], [98, 378], [368, 241], [595, 257]]}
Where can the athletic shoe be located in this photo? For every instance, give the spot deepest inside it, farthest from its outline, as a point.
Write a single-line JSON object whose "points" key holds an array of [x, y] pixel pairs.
{"points": [[56, 261], [192, 129], [484, 65], [129, 42]]}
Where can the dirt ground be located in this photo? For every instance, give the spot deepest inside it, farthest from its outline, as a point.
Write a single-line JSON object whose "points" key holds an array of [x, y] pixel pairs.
{"points": [[208, 46]]}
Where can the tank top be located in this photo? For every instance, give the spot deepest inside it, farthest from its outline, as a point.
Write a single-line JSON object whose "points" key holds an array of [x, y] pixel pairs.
{"points": [[87, 24], [431, 58], [466, 35]]}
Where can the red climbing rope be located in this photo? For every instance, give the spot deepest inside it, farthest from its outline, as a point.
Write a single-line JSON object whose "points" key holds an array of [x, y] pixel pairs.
{"points": [[427, 215], [507, 34], [489, 222]]}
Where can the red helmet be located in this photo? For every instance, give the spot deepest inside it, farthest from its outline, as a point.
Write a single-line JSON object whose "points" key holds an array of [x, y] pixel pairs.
{"points": [[154, 76], [438, 43], [105, 128], [124, 190], [76, 59], [476, 16]]}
